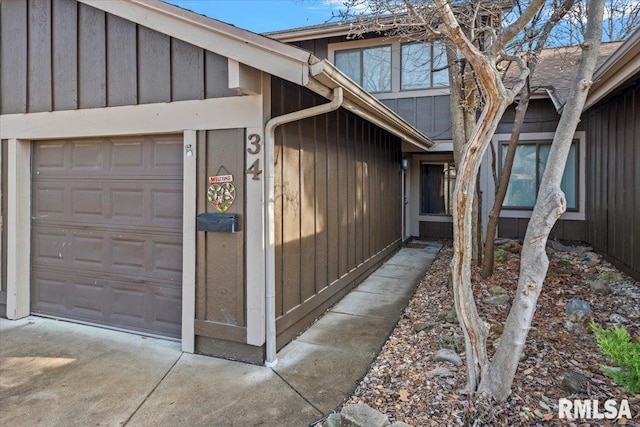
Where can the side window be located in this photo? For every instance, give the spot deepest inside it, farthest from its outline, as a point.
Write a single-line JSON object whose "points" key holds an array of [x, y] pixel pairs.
{"points": [[437, 181], [528, 167]]}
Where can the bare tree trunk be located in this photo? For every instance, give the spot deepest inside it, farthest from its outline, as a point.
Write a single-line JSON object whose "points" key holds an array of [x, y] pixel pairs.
{"points": [[457, 110], [550, 205], [494, 214], [497, 98]]}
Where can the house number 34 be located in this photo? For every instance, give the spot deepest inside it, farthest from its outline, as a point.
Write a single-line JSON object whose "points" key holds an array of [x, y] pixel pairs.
{"points": [[254, 169]]}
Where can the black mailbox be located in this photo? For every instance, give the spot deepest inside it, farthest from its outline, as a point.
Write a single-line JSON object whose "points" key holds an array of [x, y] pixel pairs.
{"points": [[217, 222]]}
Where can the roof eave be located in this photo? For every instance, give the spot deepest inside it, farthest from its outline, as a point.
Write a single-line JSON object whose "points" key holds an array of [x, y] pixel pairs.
{"points": [[311, 33], [624, 63]]}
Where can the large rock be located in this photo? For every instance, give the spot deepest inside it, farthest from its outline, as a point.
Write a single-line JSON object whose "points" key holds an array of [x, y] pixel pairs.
{"points": [[576, 305], [574, 382], [361, 415], [496, 299], [448, 355], [578, 314]]}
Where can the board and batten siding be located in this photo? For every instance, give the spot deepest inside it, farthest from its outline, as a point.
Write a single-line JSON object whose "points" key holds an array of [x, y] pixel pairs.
{"points": [[221, 323], [63, 55], [613, 177], [338, 206], [431, 115]]}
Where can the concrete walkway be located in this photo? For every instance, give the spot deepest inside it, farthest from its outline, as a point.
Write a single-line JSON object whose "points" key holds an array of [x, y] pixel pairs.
{"points": [[56, 373]]}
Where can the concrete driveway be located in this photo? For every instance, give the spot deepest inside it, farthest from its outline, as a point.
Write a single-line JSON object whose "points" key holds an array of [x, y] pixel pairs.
{"points": [[56, 373]]}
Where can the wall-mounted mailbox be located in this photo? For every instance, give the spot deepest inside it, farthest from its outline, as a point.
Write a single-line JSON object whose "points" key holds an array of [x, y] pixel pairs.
{"points": [[218, 222]]}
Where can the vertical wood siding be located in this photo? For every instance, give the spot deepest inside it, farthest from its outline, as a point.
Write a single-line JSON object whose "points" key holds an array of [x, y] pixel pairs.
{"points": [[220, 274], [338, 205], [613, 177], [431, 115], [63, 55]]}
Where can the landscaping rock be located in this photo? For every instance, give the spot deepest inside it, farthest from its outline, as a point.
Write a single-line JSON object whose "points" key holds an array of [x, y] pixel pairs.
{"points": [[500, 255], [599, 286], [497, 290], [439, 372], [334, 420], [578, 314], [399, 424], [455, 342], [361, 415], [420, 326], [576, 305], [574, 382], [591, 259], [618, 318], [449, 316], [448, 355], [496, 299]]}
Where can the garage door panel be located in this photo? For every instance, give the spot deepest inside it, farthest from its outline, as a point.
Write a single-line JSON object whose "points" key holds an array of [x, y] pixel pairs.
{"points": [[107, 232], [165, 155], [159, 156], [149, 203], [166, 206], [49, 247], [136, 255], [145, 307], [50, 157]]}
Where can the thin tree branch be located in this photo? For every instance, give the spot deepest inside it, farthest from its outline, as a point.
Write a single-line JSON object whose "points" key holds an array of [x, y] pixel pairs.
{"points": [[512, 30]]}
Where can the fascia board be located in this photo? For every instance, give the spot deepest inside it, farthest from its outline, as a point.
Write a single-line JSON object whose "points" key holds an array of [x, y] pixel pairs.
{"points": [[623, 64], [287, 62], [303, 34]]}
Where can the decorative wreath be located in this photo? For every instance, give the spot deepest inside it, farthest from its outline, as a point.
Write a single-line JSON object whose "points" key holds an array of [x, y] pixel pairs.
{"points": [[221, 196]]}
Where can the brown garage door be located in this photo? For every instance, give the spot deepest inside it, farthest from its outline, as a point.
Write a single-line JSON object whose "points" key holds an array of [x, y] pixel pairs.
{"points": [[107, 232]]}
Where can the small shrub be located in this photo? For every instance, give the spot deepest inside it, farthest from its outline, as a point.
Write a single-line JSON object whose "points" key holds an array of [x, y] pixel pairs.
{"points": [[617, 345]]}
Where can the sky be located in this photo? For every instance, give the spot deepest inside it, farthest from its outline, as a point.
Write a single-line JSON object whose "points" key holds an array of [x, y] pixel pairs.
{"points": [[262, 16]]}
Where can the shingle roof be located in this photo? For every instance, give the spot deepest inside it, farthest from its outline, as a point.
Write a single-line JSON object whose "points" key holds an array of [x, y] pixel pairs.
{"points": [[557, 67]]}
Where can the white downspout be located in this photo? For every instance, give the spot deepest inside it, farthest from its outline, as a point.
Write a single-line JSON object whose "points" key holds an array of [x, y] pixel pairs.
{"points": [[269, 230]]}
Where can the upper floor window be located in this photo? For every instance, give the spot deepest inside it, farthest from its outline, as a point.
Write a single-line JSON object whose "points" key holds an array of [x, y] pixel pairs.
{"points": [[424, 66], [528, 166], [369, 67]]}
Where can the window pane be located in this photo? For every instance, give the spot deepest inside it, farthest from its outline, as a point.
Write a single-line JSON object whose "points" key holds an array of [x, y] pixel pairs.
{"points": [[437, 184], [440, 70], [376, 69], [416, 66], [348, 61], [522, 188], [568, 183]]}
